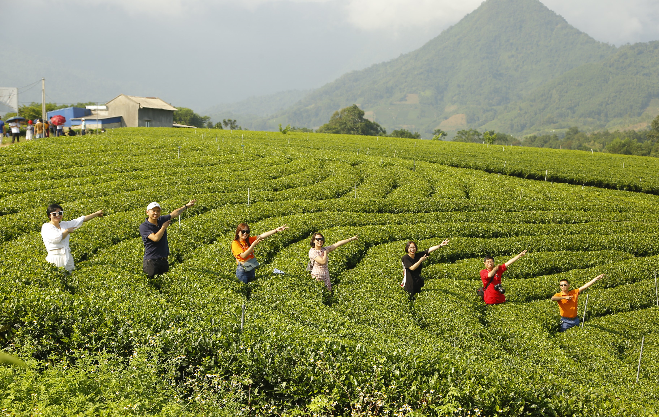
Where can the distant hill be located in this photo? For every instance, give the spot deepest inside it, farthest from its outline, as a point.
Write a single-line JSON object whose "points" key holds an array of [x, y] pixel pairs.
{"points": [[512, 65], [621, 91]]}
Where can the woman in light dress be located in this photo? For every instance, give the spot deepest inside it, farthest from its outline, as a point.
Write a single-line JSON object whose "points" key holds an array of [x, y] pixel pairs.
{"points": [[318, 257]]}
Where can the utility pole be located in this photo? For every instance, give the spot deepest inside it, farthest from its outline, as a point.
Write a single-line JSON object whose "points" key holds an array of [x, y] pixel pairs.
{"points": [[43, 99]]}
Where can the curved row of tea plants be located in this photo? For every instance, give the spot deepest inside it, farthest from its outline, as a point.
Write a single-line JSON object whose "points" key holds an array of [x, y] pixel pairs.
{"points": [[107, 341]]}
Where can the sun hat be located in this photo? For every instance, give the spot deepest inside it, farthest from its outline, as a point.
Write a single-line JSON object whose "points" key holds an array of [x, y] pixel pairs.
{"points": [[152, 205]]}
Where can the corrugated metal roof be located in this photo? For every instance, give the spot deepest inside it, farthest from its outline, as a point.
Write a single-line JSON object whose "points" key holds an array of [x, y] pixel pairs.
{"points": [[149, 102]]}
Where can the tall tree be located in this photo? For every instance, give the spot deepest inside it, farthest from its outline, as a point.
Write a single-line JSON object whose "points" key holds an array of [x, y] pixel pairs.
{"points": [[470, 135], [186, 116], [351, 121], [653, 134], [230, 124], [438, 134], [404, 133]]}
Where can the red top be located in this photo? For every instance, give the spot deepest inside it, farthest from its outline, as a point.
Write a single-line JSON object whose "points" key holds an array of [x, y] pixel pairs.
{"points": [[492, 296]]}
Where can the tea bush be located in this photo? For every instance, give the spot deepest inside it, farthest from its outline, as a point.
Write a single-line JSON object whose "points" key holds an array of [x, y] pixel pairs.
{"points": [[105, 340]]}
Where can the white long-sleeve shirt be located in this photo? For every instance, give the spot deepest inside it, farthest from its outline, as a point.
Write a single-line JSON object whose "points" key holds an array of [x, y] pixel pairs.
{"points": [[52, 236]]}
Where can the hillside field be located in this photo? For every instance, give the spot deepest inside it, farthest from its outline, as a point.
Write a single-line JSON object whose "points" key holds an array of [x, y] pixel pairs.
{"points": [[105, 341]]}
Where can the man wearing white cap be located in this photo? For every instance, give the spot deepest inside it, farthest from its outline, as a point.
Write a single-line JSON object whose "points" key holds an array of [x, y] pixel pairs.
{"points": [[154, 236]]}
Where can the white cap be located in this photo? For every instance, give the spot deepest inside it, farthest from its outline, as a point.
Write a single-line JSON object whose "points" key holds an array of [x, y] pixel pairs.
{"points": [[152, 205]]}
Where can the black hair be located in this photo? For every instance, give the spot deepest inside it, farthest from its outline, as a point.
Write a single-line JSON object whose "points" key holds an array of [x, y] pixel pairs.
{"points": [[407, 246], [53, 207], [485, 259]]}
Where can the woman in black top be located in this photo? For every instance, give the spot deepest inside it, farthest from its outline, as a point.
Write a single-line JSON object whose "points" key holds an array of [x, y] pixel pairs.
{"points": [[413, 264]]}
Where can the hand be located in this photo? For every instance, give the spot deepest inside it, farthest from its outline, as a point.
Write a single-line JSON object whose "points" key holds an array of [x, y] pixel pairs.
{"points": [[444, 243], [522, 253], [190, 203], [166, 224], [99, 213], [353, 238], [567, 297], [423, 258], [600, 276], [281, 228], [258, 240]]}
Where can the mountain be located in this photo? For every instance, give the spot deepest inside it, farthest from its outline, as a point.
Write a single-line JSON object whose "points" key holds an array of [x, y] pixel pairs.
{"points": [[504, 52], [621, 91]]}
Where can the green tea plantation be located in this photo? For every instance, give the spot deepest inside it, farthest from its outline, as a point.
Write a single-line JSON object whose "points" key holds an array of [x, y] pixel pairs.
{"points": [[196, 341]]}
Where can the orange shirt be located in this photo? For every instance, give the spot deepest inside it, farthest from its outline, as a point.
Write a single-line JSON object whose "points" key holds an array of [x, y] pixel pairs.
{"points": [[568, 307], [238, 247]]}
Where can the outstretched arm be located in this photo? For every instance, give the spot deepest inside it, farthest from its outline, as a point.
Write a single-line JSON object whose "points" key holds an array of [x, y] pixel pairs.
{"points": [[91, 216], [434, 248], [591, 282], [66, 232], [512, 260], [180, 210], [330, 248], [272, 232]]}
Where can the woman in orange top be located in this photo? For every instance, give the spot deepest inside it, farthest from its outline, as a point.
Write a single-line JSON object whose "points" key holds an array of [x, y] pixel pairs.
{"points": [[242, 248]]}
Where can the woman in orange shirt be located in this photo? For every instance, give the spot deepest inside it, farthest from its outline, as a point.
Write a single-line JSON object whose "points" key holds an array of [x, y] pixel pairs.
{"points": [[242, 248]]}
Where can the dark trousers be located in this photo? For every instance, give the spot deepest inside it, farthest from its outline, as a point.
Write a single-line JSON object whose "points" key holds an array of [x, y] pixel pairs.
{"points": [[15, 137], [153, 267]]}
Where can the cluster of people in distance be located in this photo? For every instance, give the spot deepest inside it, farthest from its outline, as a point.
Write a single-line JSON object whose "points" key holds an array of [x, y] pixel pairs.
{"points": [[38, 129], [56, 234]]}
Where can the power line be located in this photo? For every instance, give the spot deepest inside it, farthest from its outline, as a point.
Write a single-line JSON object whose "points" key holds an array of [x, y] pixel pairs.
{"points": [[29, 85]]}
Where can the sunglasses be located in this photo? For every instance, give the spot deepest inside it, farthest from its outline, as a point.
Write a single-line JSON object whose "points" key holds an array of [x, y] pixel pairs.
{"points": [[57, 213], [322, 239], [245, 231]]}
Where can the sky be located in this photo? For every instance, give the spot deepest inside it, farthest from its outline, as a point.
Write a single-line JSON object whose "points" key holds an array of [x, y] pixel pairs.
{"points": [[200, 53]]}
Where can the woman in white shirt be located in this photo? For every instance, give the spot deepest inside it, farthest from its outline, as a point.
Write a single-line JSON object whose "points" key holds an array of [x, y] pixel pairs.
{"points": [[56, 233]]}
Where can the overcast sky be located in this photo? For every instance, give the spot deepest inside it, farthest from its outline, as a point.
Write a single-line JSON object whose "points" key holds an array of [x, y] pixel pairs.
{"points": [[198, 53]]}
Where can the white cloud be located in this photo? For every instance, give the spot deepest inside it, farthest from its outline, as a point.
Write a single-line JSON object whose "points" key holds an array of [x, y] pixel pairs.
{"points": [[401, 14], [613, 21], [362, 14], [178, 7]]}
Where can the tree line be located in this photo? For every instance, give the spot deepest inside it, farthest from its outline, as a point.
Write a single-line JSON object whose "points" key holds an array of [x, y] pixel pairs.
{"points": [[627, 142]]}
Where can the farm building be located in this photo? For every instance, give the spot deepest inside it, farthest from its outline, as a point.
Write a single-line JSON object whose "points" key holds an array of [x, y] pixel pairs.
{"points": [[96, 117], [69, 114], [141, 111]]}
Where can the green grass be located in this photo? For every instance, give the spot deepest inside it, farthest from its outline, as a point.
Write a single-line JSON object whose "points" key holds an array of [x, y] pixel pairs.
{"points": [[105, 341]]}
